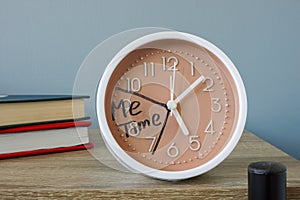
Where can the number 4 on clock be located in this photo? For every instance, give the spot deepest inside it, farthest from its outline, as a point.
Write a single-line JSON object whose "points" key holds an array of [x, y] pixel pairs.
{"points": [[210, 128]]}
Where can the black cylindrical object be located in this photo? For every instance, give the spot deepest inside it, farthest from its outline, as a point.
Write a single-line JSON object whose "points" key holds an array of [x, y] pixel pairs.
{"points": [[266, 181]]}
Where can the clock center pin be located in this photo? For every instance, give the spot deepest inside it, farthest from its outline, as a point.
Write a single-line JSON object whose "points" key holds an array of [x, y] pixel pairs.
{"points": [[171, 105]]}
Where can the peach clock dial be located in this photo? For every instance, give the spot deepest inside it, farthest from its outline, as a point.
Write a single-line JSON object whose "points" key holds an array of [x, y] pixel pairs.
{"points": [[171, 105]]}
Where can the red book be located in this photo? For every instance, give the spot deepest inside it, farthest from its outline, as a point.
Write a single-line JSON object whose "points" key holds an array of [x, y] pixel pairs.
{"points": [[44, 138], [46, 151], [49, 126]]}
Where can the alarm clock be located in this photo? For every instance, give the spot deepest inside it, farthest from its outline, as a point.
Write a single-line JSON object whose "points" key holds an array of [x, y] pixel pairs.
{"points": [[171, 105]]}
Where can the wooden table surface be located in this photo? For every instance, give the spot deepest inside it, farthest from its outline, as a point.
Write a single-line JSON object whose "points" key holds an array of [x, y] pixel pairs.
{"points": [[79, 175]]}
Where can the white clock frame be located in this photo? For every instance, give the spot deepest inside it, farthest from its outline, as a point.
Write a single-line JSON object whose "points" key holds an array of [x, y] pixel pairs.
{"points": [[131, 163]]}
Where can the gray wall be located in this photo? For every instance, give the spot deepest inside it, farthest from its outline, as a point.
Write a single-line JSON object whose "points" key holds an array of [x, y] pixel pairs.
{"points": [[43, 43]]}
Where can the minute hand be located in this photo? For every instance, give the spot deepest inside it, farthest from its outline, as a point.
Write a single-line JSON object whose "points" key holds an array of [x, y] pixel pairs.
{"points": [[189, 89]]}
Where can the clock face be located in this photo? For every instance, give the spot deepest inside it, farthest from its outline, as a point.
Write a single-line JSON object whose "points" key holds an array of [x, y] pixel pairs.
{"points": [[171, 105]]}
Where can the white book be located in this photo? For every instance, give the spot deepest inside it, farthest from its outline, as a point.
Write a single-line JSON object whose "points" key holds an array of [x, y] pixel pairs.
{"points": [[44, 139]]}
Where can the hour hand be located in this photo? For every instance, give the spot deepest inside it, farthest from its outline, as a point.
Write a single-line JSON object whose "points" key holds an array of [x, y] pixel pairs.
{"points": [[172, 107], [180, 122]]}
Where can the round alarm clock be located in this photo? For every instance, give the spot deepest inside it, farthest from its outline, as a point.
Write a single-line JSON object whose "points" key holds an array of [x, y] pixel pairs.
{"points": [[171, 105]]}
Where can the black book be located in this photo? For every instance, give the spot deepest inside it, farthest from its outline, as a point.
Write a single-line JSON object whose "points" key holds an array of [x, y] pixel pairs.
{"points": [[31, 109]]}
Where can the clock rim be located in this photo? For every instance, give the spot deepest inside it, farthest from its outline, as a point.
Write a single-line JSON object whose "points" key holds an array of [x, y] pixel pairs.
{"points": [[138, 167]]}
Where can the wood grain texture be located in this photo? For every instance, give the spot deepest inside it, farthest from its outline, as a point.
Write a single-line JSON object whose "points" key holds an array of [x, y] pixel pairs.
{"points": [[79, 175]]}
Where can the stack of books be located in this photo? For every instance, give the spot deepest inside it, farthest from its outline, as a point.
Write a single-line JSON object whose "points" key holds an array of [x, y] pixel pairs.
{"points": [[41, 124]]}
